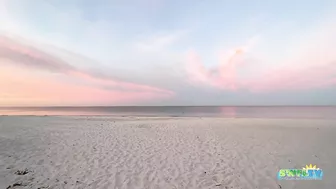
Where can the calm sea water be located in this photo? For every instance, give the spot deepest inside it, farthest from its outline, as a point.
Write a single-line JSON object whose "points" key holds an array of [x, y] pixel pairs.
{"points": [[316, 112]]}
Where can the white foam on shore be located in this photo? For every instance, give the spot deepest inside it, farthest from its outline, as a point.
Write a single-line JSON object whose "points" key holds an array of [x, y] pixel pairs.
{"points": [[111, 152]]}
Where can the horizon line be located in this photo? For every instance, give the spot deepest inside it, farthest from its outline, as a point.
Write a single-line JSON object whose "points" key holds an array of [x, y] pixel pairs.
{"points": [[168, 106]]}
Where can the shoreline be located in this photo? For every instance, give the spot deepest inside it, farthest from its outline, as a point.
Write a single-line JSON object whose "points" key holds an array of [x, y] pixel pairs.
{"points": [[170, 117]]}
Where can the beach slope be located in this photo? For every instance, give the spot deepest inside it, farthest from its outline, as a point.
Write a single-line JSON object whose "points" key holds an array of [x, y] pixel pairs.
{"points": [[129, 152]]}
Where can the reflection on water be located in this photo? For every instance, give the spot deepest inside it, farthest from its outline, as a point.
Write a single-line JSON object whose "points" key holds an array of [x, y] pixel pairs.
{"points": [[205, 111], [228, 111]]}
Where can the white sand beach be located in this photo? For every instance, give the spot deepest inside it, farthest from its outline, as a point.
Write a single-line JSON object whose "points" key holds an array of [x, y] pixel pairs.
{"points": [[169, 153]]}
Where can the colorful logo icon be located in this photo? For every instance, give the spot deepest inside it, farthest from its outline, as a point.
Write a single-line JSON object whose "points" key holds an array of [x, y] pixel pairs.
{"points": [[310, 172]]}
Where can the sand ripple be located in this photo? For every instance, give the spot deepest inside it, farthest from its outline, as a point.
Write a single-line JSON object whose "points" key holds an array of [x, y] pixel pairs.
{"points": [[79, 152]]}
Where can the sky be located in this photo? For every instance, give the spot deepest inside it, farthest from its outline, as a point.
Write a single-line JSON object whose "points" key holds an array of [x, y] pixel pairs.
{"points": [[167, 52]]}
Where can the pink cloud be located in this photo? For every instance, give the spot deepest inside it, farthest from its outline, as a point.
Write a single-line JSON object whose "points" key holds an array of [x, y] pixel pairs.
{"points": [[45, 90], [30, 90], [295, 79], [22, 54], [225, 76], [29, 56], [308, 62]]}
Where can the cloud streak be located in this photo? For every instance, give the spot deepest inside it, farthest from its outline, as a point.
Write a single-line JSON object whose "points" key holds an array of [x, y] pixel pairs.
{"points": [[160, 42], [97, 88], [29, 56], [32, 57]]}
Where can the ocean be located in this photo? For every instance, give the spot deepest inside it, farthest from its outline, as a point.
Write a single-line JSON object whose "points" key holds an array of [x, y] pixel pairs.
{"points": [[314, 112]]}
